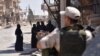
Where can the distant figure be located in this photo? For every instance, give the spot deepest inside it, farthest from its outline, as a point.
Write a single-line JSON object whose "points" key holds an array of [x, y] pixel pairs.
{"points": [[49, 27], [19, 39], [38, 26], [43, 27], [34, 39]]}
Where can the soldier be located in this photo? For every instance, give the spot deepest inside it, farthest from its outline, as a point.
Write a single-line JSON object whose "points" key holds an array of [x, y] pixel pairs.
{"points": [[72, 41]]}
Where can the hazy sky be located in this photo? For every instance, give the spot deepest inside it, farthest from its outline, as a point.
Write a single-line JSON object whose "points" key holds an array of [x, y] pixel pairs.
{"points": [[35, 5]]}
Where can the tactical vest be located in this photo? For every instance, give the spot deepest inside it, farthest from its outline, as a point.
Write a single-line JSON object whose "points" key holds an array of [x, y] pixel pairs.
{"points": [[72, 42]]}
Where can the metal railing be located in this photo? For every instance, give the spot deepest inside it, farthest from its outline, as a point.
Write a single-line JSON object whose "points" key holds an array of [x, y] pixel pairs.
{"points": [[56, 13]]}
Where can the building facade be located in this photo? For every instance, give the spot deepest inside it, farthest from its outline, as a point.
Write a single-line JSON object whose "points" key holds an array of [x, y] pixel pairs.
{"points": [[2, 7], [8, 10]]}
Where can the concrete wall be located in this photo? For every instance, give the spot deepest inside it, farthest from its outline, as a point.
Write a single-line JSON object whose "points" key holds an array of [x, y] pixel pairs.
{"points": [[2, 7]]}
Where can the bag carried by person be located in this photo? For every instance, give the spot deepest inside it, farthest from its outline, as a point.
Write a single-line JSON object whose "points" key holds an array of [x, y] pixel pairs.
{"points": [[73, 42]]}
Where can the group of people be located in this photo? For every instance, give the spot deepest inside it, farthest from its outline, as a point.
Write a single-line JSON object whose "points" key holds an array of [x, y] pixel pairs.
{"points": [[37, 31], [71, 40]]}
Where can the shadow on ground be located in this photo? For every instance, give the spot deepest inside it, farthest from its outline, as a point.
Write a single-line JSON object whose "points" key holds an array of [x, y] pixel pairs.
{"points": [[25, 46], [8, 26], [27, 50], [7, 51], [27, 32]]}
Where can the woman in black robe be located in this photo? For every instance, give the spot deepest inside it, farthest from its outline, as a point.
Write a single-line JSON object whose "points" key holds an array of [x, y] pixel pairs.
{"points": [[49, 27], [19, 39], [38, 26], [33, 38], [43, 27]]}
